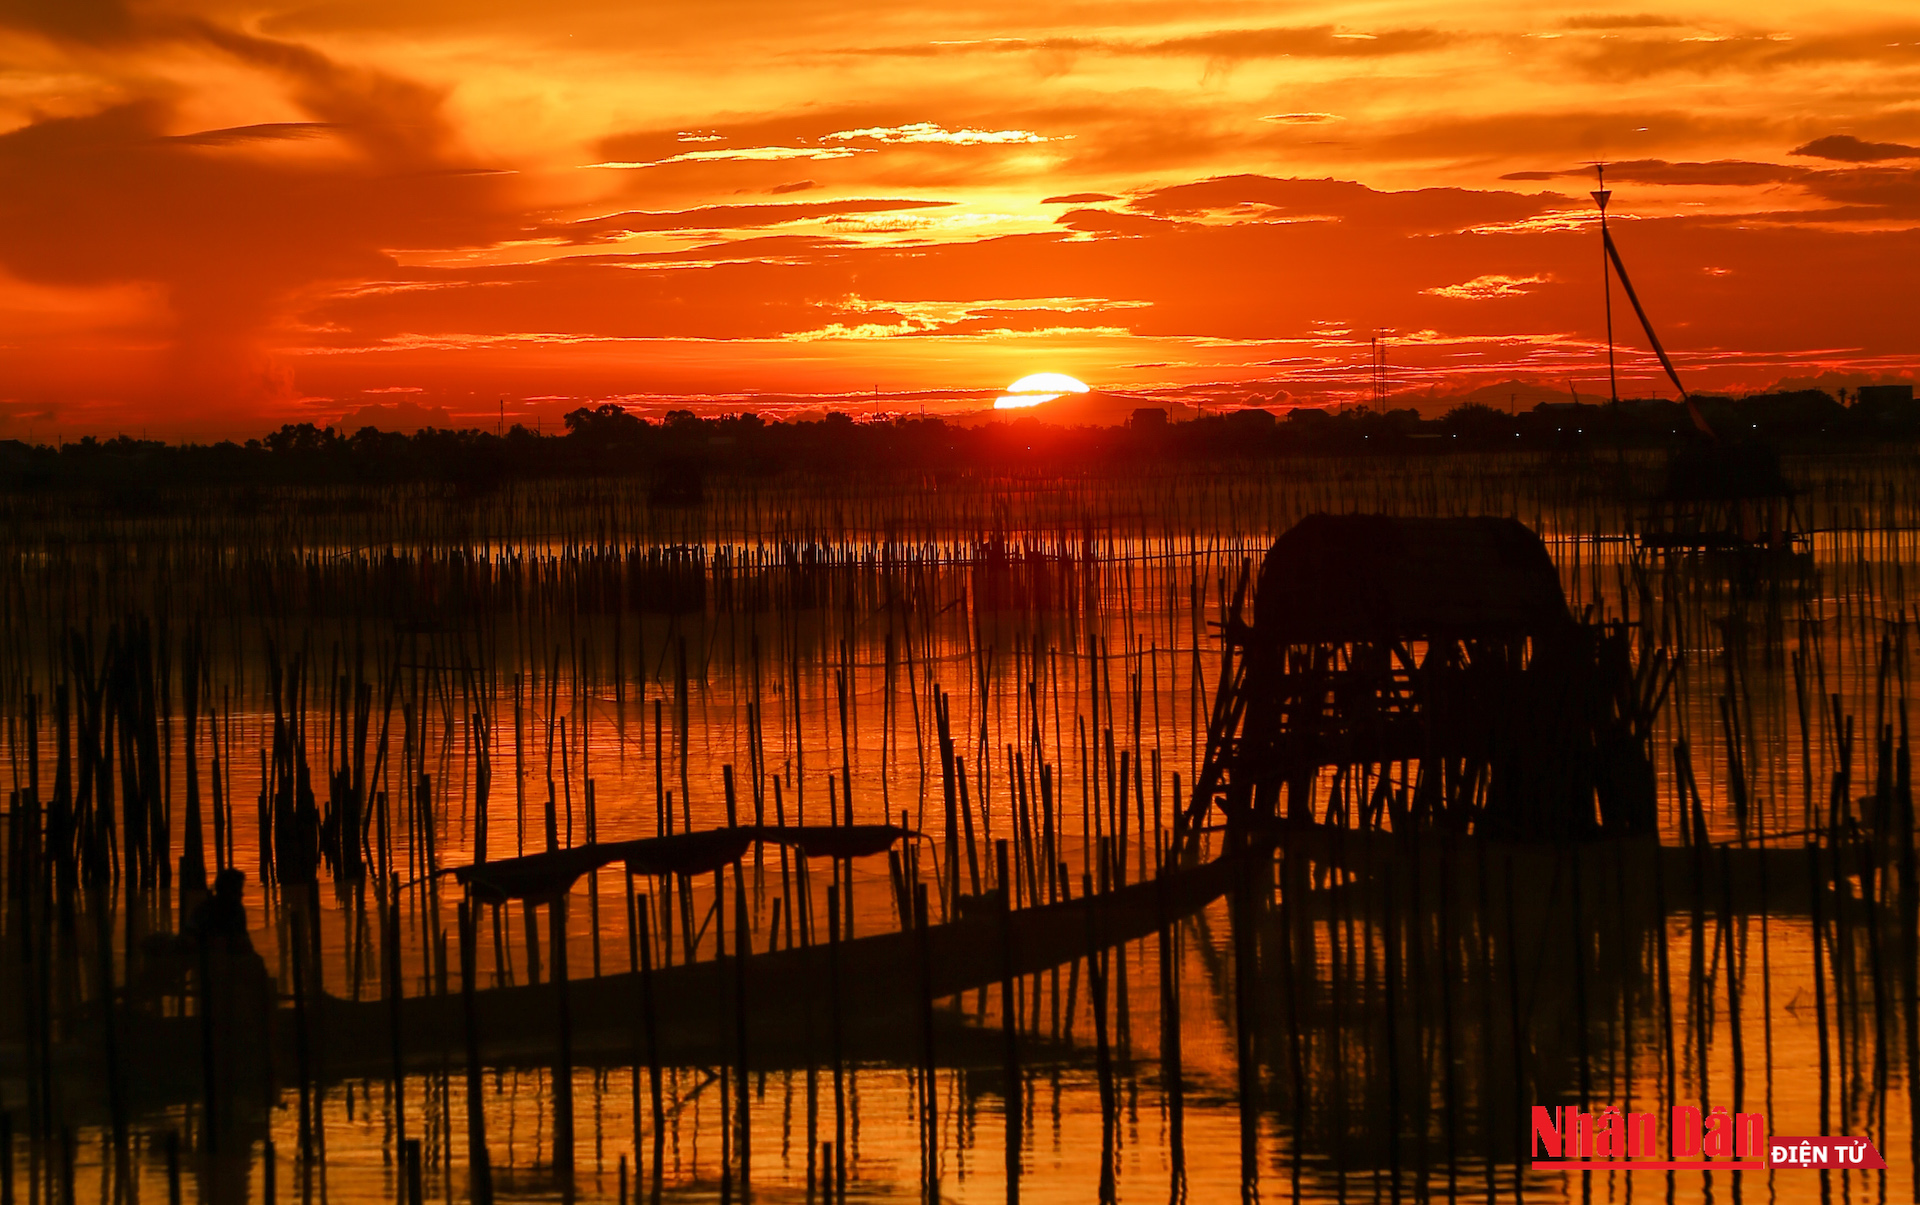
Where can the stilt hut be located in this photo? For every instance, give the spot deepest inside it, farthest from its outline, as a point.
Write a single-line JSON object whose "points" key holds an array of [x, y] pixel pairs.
{"points": [[1725, 498], [1405, 673]]}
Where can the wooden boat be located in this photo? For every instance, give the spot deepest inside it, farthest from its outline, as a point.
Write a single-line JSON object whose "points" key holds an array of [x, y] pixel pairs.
{"points": [[870, 999], [875, 992]]}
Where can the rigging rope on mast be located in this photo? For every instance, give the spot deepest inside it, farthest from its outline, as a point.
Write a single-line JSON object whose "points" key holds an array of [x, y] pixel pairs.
{"points": [[1693, 411]]}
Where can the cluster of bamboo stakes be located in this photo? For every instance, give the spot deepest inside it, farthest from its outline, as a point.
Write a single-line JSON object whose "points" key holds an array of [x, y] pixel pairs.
{"points": [[335, 714]]}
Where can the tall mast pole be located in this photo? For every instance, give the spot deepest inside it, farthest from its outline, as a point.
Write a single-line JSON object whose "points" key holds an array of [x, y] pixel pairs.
{"points": [[1601, 195], [1383, 372]]}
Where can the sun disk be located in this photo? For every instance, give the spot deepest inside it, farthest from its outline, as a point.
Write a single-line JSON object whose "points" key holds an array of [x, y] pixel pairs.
{"points": [[1037, 388]]}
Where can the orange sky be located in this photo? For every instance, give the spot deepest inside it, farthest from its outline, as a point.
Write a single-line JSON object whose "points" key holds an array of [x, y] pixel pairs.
{"points": [[215, 217]]}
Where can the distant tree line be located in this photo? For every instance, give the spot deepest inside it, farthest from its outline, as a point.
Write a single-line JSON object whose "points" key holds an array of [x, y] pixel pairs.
{"points": [[679, 451]]}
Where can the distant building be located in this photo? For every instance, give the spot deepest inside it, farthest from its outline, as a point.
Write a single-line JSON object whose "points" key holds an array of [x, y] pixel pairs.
{"points": [[1876, 396], [1148, 418]]}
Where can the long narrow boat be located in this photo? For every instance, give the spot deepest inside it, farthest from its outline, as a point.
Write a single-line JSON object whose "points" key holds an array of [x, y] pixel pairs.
{"points": [[862, 1000], [868, 999], [878, 989]]}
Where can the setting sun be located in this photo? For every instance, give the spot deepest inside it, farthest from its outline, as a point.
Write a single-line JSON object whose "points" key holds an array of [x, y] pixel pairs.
{"points": [[1037, 388]]}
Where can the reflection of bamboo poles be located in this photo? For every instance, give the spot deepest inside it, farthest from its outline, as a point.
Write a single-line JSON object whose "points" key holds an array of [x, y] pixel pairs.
{"points": [[1170, 1061], [1426, 944], [547, 602], [479, 1173]]}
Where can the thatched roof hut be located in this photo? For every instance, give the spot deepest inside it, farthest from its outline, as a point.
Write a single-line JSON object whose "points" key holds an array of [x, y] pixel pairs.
{"points": [[1380, 577], [1727, 497], [1427, 673]]}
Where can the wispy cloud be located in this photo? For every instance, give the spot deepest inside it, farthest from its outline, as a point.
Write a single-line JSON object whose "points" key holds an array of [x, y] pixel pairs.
{"points": [[273, 131], [1486, 288], [744, 154], [725, 217], [1259, 42], [1619, 21], [927, 131]]}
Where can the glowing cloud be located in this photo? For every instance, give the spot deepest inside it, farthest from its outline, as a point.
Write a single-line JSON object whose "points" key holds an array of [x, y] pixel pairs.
{"points": [[1484, 288], [927, 131], [745, 154]]}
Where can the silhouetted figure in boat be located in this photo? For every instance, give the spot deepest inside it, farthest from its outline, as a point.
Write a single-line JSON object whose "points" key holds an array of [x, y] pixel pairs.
{"points": [[220, 1055], [218, 925], [234, 976], [235, 998], [221, 917]]}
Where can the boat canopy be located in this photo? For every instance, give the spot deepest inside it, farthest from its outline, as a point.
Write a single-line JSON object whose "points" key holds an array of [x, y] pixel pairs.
{"points": [[545, 876]]}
